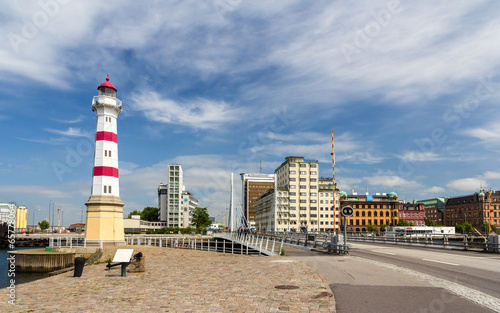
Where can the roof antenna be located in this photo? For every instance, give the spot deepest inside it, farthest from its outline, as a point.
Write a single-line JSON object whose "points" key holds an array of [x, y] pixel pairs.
{"points": [[260, 169]]}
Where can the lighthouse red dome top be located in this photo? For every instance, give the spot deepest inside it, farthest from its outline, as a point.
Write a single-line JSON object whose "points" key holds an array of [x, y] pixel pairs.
{"points": [[107, 84]]}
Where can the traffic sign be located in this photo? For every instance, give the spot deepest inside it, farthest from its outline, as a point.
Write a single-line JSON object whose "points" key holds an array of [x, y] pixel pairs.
{"points": [[347, 211]]}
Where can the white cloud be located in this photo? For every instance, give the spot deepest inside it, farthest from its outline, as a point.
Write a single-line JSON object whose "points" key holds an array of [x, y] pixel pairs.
{"points": [[491, 175], [434, 191], [489, 134], [391, 182], [412, 156], [198, 113], [467, 184], [70, 132]]}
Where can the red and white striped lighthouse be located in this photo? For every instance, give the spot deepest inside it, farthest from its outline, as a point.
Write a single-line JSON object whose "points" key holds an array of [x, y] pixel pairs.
{"points": [[105, 208]]}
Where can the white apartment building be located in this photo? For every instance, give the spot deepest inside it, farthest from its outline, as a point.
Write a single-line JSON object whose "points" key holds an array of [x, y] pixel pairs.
{"points": [[189, 203], [303, 201]]}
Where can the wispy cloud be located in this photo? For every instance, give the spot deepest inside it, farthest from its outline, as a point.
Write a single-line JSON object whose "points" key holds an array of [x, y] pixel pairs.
{"points": [[70, 132], [73, 121], [49, 192], [412, 156], [198, 113]]}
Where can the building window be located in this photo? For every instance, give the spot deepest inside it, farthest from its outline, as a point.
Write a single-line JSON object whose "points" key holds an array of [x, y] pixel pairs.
{"points": [[314, 172], [303, 172], [303, 165]]}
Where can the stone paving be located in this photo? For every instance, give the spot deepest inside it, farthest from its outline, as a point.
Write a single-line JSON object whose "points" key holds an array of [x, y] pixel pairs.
{"points": [[179, 280]]}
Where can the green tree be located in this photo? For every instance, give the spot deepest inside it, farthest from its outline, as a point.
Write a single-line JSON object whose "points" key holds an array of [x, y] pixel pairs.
{"points": [[134, 212], [150, 214], [200, 218], [383, 227], [43, 225], [431, 223], [468, 227], [459, 228], [371, 227], [486, 225], [403, 223]]}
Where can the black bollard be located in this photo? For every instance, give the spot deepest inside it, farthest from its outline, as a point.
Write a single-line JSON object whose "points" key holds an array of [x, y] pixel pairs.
{"points": [[79, 264]]}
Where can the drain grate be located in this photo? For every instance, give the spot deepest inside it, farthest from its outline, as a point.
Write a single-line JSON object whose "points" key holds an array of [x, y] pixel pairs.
{"points": [[286, 287]]}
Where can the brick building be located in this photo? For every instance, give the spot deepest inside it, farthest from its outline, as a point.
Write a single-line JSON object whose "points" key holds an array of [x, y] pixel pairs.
{"points": [[412, 213], [474, 209]]}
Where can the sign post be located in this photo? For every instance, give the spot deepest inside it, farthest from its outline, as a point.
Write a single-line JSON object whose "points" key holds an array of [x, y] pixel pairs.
{"points": [[346, 211]]}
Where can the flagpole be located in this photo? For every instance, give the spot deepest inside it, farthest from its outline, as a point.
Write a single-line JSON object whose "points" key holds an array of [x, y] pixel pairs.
{"points": [[489, 209], [333, 187]]}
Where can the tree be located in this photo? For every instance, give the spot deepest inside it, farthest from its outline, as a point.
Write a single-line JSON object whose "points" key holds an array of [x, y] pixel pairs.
{"points": [[150, 214], [200, 218], [371, 227], [468, 227], [459, 228], [403, 223], [486, 226], [43, 225], [383, 227], [431, 223], [134, 212]]}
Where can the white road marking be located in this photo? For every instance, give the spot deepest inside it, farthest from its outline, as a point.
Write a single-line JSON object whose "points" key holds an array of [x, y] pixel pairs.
{"points": [[384, 252], [441, 262]]}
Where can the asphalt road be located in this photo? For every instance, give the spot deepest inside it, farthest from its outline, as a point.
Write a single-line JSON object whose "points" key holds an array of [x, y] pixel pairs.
{"points": [[476, 270], [378, 278]]}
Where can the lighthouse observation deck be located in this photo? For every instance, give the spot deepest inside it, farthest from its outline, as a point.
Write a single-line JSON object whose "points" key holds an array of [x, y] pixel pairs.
{"points": [[106, 100]]}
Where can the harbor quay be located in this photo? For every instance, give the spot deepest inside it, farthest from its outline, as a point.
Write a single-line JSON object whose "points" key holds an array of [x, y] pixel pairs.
{"points": [[180, 280]]}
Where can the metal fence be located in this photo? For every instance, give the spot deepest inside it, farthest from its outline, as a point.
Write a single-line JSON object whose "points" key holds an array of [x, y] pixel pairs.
{"points": [[220, 243]]}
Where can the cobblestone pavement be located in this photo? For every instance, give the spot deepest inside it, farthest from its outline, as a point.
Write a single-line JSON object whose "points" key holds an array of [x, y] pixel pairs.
{"points": [[180, 280]]}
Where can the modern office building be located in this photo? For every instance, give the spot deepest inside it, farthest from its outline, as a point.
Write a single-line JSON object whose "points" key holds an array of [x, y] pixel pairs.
{"points": [[254, 185], [378, 209]]}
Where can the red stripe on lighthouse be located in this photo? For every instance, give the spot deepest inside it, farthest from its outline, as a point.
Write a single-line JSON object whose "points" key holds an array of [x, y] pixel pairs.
{"points": [[105, 171], [107, 136]]}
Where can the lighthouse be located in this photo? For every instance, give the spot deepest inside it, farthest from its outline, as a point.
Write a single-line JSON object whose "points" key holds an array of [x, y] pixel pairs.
{"points": [[104, 207]]}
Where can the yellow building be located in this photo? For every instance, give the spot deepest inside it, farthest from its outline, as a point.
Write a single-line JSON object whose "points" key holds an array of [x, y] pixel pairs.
{"points": [[378, 209], [21, 218]]}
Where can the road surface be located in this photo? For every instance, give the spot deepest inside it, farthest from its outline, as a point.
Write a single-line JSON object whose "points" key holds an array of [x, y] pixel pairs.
{"points": [[381, 278]]}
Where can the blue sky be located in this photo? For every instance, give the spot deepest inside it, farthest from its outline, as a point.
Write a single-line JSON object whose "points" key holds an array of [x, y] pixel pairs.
{"points": [[411, 89]]}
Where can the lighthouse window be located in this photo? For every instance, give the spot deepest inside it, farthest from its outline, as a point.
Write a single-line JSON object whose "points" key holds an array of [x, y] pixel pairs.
{"points": [[109, 153], [109, 189], [105, 153], [105, 189]]}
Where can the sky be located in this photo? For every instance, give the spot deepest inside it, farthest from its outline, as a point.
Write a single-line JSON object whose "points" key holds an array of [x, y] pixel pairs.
{"points": [[410, 88]]}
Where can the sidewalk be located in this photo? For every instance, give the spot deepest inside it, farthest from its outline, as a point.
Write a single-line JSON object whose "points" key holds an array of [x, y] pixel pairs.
{"points": [[180, 281]]}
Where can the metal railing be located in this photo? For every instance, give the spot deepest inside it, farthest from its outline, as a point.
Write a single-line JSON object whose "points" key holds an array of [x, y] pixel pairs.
{"points": [[452, 242], [263, 244], [224, 245]]}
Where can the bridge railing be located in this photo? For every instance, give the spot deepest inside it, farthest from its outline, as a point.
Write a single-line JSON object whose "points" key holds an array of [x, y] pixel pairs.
{"points": [[455, 242], [265, 245]]}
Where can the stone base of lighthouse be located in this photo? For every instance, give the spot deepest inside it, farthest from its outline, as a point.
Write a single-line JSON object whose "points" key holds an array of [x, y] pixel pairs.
{"points": [[105, 221]]}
